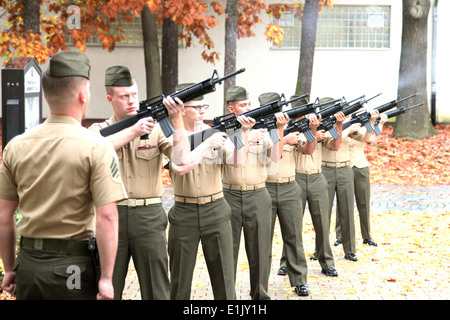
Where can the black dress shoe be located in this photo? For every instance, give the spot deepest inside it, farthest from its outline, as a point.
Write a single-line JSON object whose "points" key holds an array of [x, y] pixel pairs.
{"points": [[351, 257], [370, 242], [330, 272], [313, 256], [302, 290], [338, 242], [282, 271]]}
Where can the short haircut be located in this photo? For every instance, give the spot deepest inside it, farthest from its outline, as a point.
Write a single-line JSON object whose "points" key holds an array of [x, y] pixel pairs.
{"points": [[60, 90]]}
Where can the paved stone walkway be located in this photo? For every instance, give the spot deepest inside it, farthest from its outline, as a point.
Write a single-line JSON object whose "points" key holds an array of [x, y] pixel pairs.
{"points": [[410, 262]]}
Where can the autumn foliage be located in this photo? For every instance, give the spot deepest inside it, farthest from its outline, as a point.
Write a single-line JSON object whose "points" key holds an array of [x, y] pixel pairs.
{"points": [[405, 162], [97, 16]]}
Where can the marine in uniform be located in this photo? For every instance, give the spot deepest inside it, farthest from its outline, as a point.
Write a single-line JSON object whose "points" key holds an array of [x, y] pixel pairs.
{"points": [[286, 197], [200, 212], [55, 173], [361, 172], [245, 191], [340, 177], [309, 176], [142, 218]]}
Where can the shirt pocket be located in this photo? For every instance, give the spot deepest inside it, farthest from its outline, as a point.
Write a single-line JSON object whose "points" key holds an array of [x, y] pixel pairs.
{"points": [[147, 153], [212, 157], [257, 153]]}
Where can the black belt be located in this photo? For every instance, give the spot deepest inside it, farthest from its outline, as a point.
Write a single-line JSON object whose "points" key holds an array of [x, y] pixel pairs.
{"points": [[56, 246]]}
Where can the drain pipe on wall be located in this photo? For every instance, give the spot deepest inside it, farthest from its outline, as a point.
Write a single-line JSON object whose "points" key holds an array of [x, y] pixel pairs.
{"points": [[433, 66]]}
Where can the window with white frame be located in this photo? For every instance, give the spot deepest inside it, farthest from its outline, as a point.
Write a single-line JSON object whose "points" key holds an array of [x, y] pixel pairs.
{"points": [[343, 26], [132, 31]]}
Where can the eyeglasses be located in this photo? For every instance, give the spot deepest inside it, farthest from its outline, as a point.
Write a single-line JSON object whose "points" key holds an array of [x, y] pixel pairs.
{"points": [[199, 108]]}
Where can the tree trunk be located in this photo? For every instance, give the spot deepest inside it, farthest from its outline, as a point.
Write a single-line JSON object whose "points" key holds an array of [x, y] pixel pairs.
{"points": [[307, 46], [416, 123], [169, 76], [151, 53], [230, 47], [31, 15]]}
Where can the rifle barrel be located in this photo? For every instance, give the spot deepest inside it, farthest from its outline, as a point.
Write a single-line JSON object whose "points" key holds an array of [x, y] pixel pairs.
{"points": [[230, 75]]}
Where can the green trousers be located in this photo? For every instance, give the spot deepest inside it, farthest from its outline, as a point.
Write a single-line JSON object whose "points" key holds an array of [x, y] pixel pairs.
{"points": [[252, 215], [362, 197], [313, 190], [142, 237], [340, 183], [210, 224], [52, 276], [287, 205]]}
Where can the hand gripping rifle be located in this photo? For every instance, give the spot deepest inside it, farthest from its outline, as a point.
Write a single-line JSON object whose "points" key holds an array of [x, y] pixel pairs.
{"points": [[364, 117], [326, 114], [228, 123], [270, 122], [392, 114], [155, 108]]}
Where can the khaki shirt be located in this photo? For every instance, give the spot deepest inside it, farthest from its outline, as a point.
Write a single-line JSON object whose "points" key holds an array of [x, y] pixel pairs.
{"points": [[58, 171], [286, 165], [309, 163], [356, 149], [342, 155], [254, 169], [206, 178], [141, 162]]}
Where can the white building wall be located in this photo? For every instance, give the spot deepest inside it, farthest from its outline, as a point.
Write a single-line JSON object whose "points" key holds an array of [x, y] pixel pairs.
{"points": [[442, 63]]}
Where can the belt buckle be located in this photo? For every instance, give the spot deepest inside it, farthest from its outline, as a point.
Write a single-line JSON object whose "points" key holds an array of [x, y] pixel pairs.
{"points": [[132, 202], [213, 198], [146, 202], [38, 244], [201, 200], [244, 188]]}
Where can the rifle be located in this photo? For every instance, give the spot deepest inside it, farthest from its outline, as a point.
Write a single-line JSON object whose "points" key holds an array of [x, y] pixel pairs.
{"points": [[392, 114], [155, 108], [228, 123], [328, 124], [364, 117], [270, 122], [327, 116]]}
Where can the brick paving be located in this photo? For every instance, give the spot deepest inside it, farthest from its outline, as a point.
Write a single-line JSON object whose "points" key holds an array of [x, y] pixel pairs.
{"points": [[399, 268]]}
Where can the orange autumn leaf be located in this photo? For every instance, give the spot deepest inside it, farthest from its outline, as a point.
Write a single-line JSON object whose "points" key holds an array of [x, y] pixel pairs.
{"points": [[274, 33]]}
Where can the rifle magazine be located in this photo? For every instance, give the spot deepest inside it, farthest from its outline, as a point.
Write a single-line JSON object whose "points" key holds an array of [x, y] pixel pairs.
{"points": [[273, 134], [334, 133], [377, 130], [309, 136], [368, 127], [166, 127], [235, 137]]}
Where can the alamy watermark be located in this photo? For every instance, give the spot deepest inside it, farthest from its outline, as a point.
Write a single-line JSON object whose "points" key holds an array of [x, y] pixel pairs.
{"points": [[74, 280], [74, 21]]}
